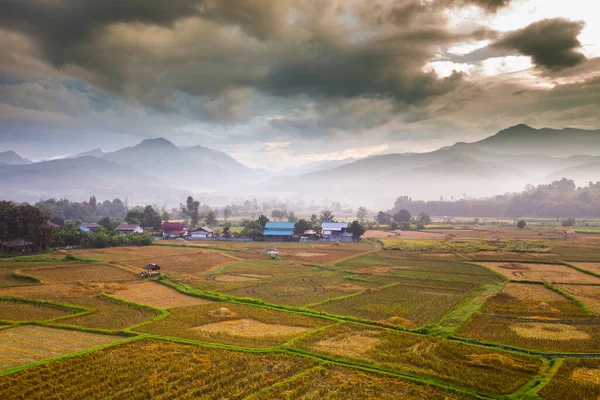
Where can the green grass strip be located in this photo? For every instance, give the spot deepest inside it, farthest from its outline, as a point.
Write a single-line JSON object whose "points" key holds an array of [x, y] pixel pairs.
{"points": [[566, 295]]}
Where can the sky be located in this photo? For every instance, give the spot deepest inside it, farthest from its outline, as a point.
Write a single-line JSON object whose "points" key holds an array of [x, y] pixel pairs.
{"points": [[279, 83]]}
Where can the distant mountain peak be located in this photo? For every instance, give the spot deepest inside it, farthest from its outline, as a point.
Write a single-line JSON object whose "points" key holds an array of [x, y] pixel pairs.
{"points": [[156, 142], [12, 158]]}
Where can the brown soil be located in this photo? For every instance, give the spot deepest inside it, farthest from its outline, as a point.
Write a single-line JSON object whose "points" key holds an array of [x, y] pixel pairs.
{"points": [[310, 255], [545, 307], [588, 294], [155, 295], [586, 375], [180, 241], [374, 270], [353, 345], [250, 328], [398, 321], [375, 234], [531, 293], [346, 288], [546, 331]]}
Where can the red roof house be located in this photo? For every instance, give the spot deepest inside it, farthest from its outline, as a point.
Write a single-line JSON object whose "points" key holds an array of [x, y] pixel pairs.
{"points": [[173, 229], [53, 225], [129, 228]]}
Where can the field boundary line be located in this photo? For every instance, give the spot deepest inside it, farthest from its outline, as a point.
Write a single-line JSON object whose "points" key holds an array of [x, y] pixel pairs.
{"points": [[567, 296], [582, 270], [543, 379]]}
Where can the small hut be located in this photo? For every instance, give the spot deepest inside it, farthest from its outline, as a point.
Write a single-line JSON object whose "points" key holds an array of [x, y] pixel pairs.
{"points": [[150, 270], [570, 234], [17, 246]]}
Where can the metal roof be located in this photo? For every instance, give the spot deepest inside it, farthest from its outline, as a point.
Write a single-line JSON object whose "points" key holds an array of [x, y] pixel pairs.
{"points": [[280, 225], [277, 233], [334, 226]]}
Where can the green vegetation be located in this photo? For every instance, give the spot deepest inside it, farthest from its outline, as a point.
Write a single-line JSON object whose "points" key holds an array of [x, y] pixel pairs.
{"points": [[575, 379]]}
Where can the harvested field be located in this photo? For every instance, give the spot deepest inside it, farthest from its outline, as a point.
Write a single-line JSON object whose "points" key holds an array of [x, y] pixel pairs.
{"points": [[503, 255], [310, 255], [540, 272], [548, 331], [299, 291], [155, 295], [8, 278], [587, 294], [418, 304], [15, 310], [108, 314], [376, 234], [195, 263], [130, 253], [220, 323], [421, 235], [250, 328], [81, 273], [542, 335], [452, 361], [347, 384], [346, 288], [355, 345], [154, 369], [26, 344], [575, 379], [237, 278]]}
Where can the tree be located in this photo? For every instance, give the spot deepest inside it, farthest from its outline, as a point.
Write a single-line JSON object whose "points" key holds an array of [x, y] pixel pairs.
{"points": [[93, 204], [326, 216], [402, 216], [314, 219], [569, 222], [165, 216], [227, 230], [356, 229], [361, 214], [191, 209], [25, 222], [278, 214], [262, 220], [227, 213], [383, 218], [211, 218], [252, 229], [302, 226], [423, 219], [521, 224], [151, 218], [106, 223], [292, 217]]}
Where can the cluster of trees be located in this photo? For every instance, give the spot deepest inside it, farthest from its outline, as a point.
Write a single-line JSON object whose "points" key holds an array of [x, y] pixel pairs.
{"points": [[554, 200], [147, 217], [402, 218], [63, 209], [25, 222]]}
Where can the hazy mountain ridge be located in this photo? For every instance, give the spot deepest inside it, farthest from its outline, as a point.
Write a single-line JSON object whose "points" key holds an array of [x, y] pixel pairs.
{"points": [[11, 158], [473, 169]]}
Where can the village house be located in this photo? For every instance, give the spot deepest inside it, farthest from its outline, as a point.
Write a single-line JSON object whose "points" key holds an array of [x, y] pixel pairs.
{"points": [[53, 225], [279, 231], [201, 233], [88, 227], [17, 246], [336, 231], [174, 229], [129, 228]]}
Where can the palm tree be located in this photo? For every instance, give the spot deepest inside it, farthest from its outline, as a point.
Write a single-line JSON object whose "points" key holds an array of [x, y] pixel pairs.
{"points": [[326, 216]]}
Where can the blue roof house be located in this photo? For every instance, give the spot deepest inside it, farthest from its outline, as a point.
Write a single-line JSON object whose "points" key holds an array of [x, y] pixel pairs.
{"points": [[279, 231]]}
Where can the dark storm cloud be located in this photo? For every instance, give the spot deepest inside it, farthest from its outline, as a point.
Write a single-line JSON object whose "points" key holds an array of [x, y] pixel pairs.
{"points": [[551, 43]]}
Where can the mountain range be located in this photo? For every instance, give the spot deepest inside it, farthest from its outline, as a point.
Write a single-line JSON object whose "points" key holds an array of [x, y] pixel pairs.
{"points": [[157, 171]]}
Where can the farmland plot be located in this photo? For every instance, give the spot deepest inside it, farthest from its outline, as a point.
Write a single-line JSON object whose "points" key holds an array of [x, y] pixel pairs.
{"points": [[26, 344], [457, 362], [343, 383], [130, 253], [18, 310], [302, 290], [531, 316], [575, 379], [73, 273], [233, 324], [154, 295], [587, 294], [407, 306], [153, 369], [108, 313], [195, 263], [519, 271]]}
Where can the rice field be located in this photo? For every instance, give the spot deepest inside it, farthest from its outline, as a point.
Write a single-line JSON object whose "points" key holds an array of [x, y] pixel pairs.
{"points": [[154, 295], [234, 324], [575, 379], [587, 294], [19, 310], [198, 262], [520, 271], [26, 344], [465, 364], [80, 273]]}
